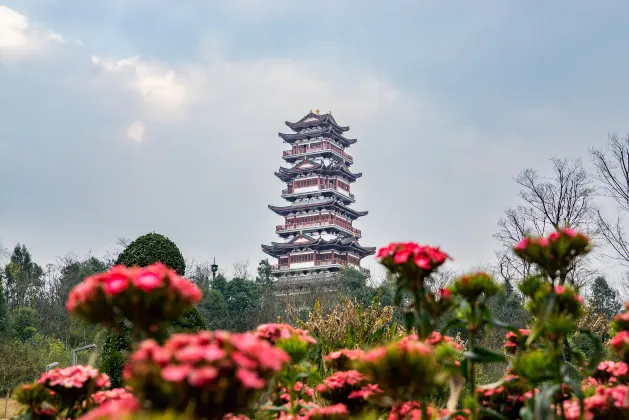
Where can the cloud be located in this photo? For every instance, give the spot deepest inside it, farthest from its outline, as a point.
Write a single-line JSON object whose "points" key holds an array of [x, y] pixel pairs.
{"points": [[136, 131], [157, 85], [19, 37]]}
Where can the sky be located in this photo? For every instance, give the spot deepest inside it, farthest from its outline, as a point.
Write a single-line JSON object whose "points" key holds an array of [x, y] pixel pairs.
{"points": [[118, 118]]}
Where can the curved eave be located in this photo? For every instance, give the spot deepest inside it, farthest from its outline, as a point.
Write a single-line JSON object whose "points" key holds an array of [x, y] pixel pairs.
{"points": [[292, 137], [284, 210], [276, 249], [301, 125], [287, 175]]}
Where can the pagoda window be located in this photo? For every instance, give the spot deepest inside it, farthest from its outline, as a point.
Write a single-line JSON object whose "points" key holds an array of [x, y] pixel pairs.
{"points": [[302, 258]]}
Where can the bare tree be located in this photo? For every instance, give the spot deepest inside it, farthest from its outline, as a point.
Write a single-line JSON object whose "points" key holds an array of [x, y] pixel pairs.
{"points": [[612, 174], [547, 203], [241, 270]]}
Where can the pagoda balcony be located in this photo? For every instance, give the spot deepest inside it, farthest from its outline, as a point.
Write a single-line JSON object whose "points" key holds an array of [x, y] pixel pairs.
{"points": [[289, 191], [336, 263], [298, 226], [318, 148]]}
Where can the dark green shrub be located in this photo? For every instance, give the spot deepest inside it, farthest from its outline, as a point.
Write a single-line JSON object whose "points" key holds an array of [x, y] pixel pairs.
{"points": [[152, 248]]}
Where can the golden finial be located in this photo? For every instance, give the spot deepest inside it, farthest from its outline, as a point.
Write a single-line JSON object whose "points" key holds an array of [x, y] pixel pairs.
{"points": [[311, 111], [317, 112], [330, 112]]}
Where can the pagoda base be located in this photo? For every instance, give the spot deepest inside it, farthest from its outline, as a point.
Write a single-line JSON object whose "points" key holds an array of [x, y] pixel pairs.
{"points": [[306, 283]]}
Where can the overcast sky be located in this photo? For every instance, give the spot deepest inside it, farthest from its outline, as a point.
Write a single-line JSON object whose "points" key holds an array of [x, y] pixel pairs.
{"points": [[120, 117]]}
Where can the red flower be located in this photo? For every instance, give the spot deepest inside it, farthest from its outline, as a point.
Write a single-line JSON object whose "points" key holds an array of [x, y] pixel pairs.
{"points": [[249, 379], [114, 409]]}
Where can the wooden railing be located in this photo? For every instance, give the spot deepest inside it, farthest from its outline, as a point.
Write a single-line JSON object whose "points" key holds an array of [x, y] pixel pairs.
{"points": [[280, 267], [294, 226], [321, 187], [316, 148]]}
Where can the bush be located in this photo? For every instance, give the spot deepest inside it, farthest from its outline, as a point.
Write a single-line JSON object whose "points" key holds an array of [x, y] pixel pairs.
{"points": [[152, 248]]}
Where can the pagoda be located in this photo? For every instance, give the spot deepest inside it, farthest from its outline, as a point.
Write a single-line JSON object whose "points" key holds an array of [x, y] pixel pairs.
{"points": [[318, 236]]}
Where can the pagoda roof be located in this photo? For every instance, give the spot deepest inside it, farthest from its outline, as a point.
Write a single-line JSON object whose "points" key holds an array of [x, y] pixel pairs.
{"points": [[341, 243], [309, 166], [313, 120], [328, 203], [327, 131]]}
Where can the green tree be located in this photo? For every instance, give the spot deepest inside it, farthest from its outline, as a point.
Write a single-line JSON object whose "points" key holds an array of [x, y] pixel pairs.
{"points": [[151, 248], [243, 303], [23, 278], [24, 322], [4, 312], [603, 298], [214, 309], [264, 272]]}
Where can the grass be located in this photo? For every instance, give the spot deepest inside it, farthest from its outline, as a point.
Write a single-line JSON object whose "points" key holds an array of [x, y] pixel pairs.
{"points": [[13, 408]]}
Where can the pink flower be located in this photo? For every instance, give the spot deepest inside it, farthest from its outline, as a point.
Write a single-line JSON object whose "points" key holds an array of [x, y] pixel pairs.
{"points": [[202, 376], [175, 373], [559, 290], [147, 281], [249, 379], [116, 283], [298, 386]]}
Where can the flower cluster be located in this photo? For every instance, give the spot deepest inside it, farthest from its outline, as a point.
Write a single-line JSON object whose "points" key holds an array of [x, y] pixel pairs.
{"points": [[612, 372], [101, 397], [560, 316], [350, 388], [506, 397], [405, 370], [281, 395], [39, 402], [555, 252], [620, 342], [217, 372], [119, 408], [296, 342], [515, 341], [343, 359], [606, 403], [331, 412], [411, 410], [145, 296], [75, 383], [474, 286], [409, 258]]}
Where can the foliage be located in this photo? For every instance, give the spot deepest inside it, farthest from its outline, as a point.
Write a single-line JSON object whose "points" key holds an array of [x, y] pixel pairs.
{"points": [[22, 278], [24, 322], [349, 325], [151, 248], [603, 299]]}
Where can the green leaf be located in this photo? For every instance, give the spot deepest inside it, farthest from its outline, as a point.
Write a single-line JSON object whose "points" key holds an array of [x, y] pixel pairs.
{"points": [[504, 325], [598, 348], [492, 413], [543, 401], [409, 320], [483, 355]]}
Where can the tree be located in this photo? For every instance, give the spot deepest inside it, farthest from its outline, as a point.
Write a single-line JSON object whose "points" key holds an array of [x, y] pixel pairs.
{"points": [[24, 322], [264, 272], [243, 302], [4, 312], [612, 174], [151, 248], [564, 199], [214, 309], [604, 299], [241, 270], [23, 278]]}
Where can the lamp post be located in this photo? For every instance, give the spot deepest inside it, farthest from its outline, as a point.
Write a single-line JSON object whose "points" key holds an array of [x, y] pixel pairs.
{"points": [[75, 351], [51, 365], [214, 268]]}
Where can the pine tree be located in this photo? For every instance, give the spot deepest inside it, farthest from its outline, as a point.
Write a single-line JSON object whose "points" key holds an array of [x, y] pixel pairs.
{"points": [[604, 299]]}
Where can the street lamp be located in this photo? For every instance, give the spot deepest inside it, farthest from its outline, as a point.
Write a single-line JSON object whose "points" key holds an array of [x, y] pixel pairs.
{"points": [[214, 270], [51, 365], [75, 351]]}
